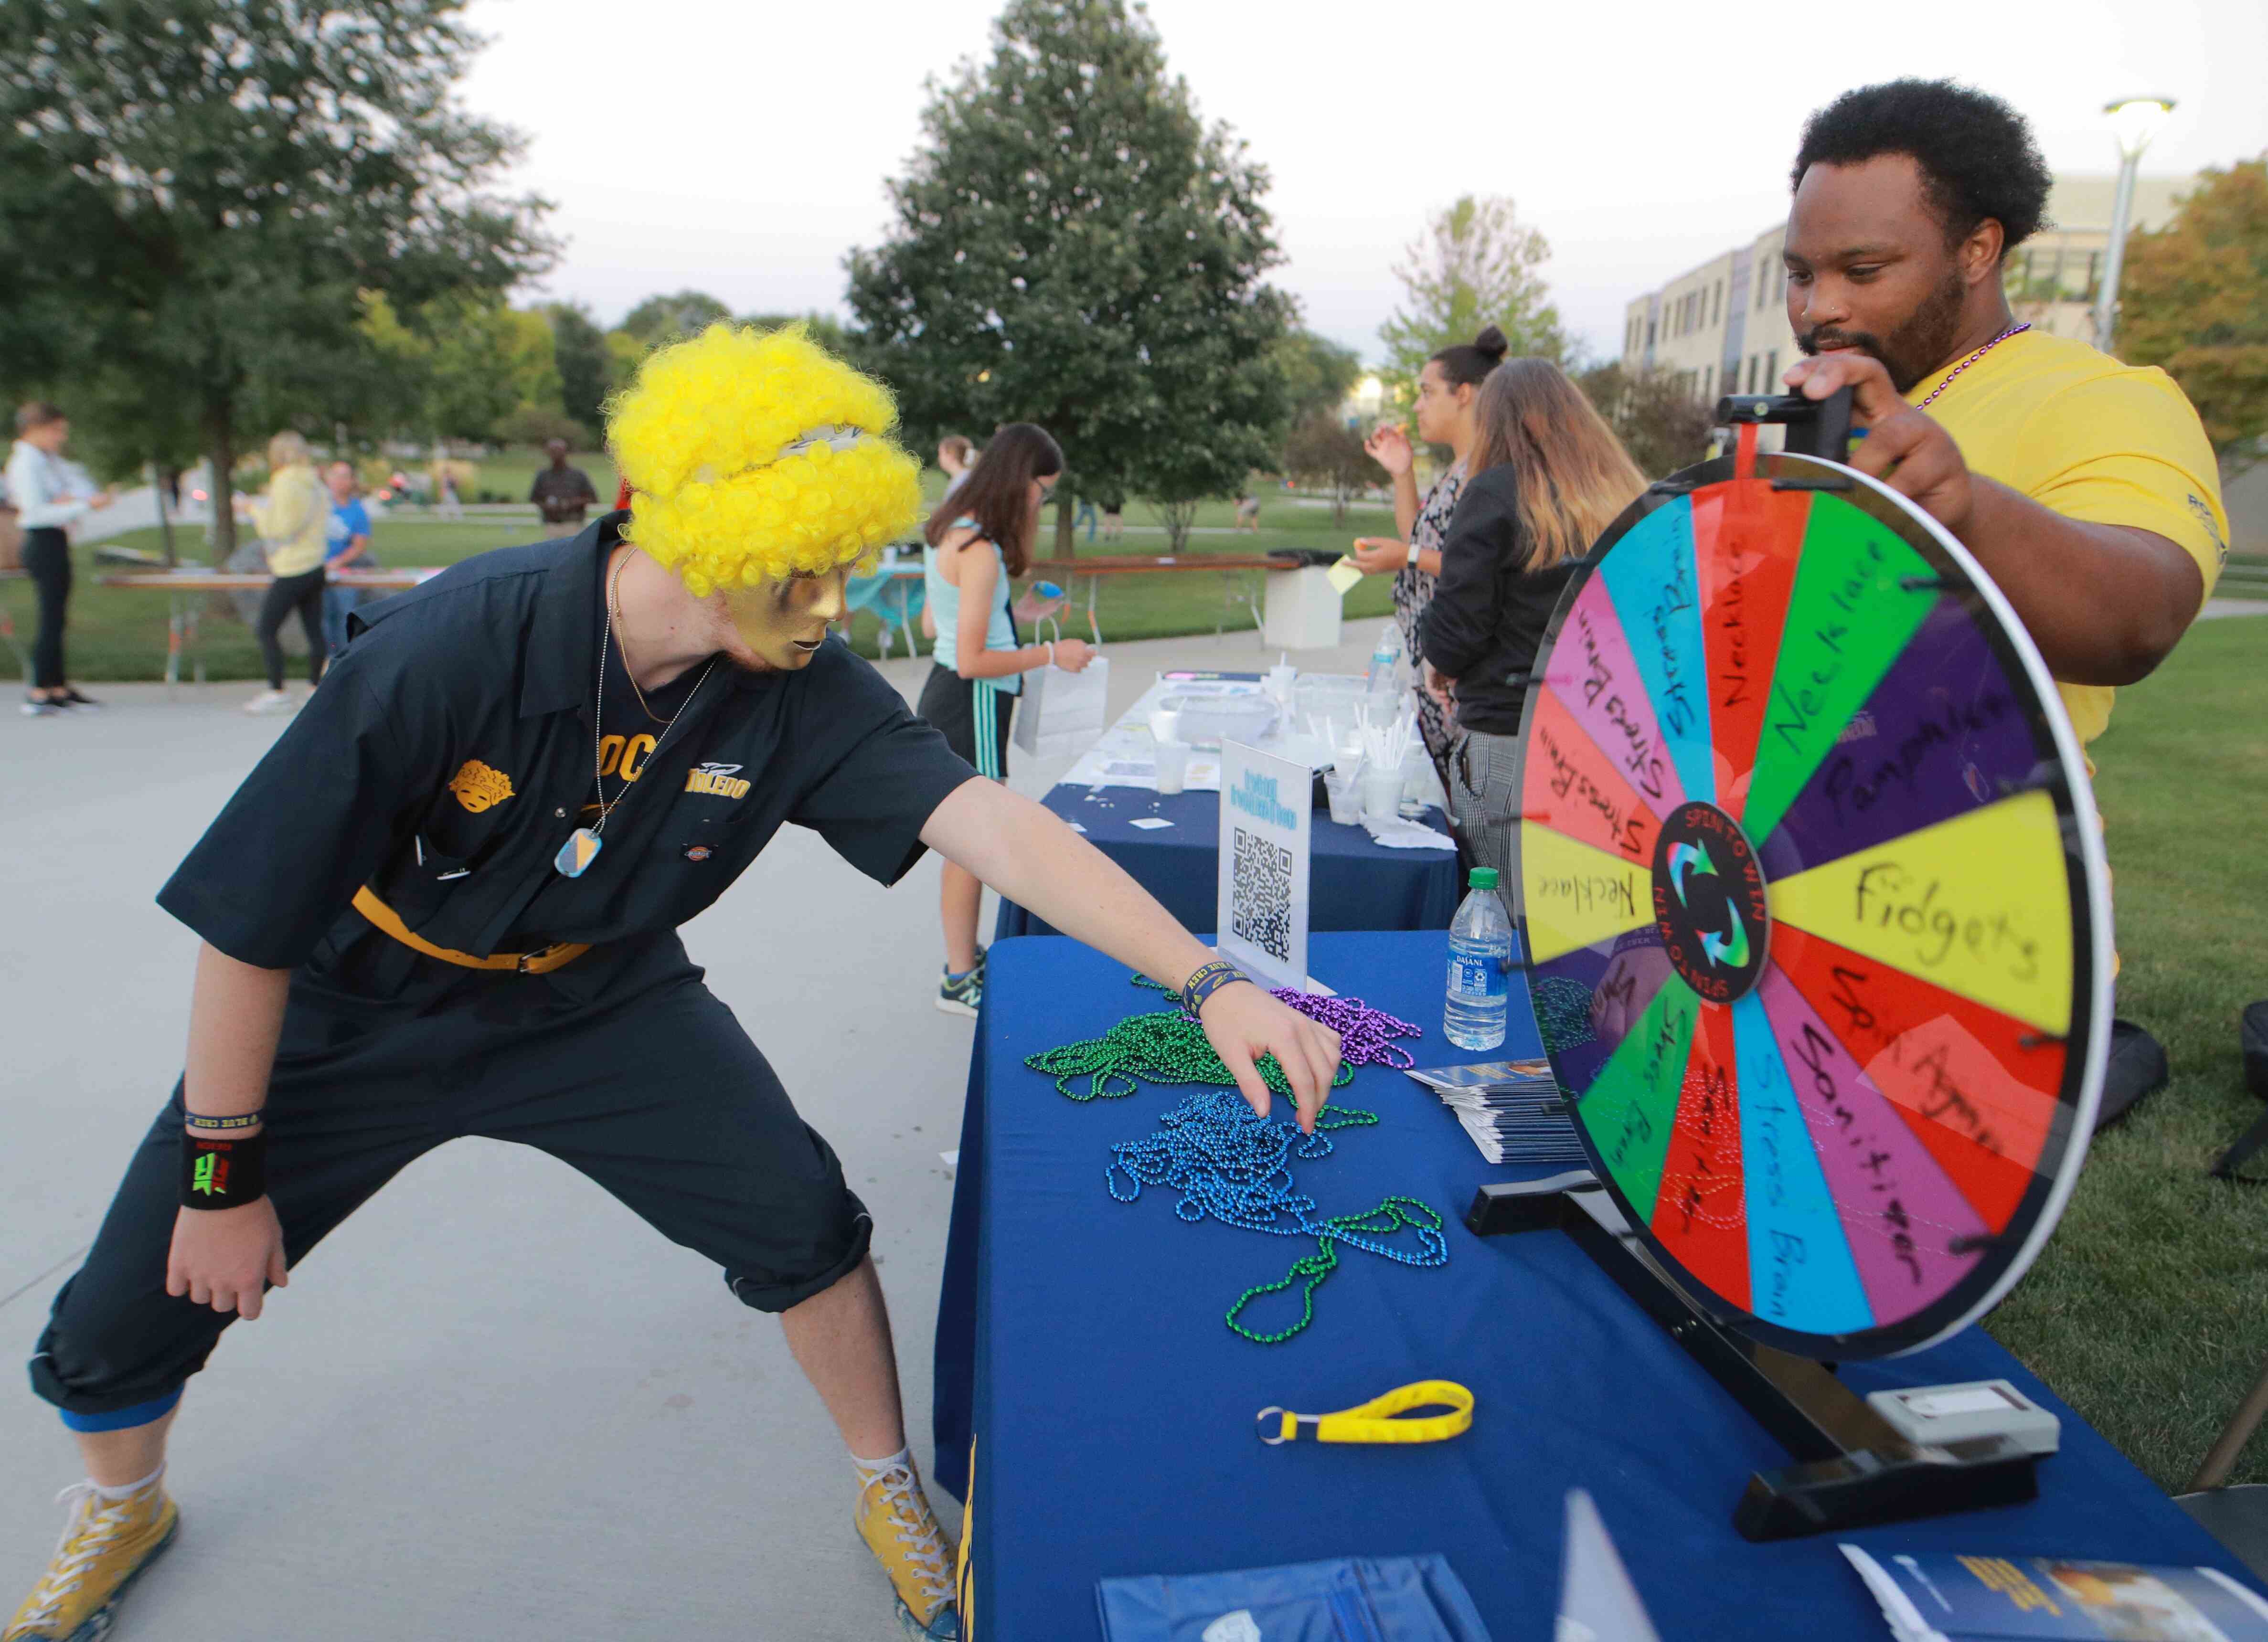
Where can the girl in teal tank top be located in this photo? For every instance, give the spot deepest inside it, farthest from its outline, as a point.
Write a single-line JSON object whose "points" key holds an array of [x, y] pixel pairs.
{"points": [[978, 541]]}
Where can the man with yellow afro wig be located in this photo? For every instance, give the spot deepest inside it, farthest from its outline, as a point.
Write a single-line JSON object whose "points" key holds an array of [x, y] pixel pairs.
{"points": [[446, 902]]}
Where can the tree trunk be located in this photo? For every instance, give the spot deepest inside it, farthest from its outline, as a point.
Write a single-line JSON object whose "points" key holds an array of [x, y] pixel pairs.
{"points": [[220, 450], [1066, 543], [158, 472]]}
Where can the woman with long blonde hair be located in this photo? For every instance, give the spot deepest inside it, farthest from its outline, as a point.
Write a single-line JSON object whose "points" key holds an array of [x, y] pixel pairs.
{"points": [[294, 520], [1545, 476]]}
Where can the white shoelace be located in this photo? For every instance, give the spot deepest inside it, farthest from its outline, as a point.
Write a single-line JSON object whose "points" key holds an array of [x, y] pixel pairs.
{"points": [[99, 1521], [918, 1528]]}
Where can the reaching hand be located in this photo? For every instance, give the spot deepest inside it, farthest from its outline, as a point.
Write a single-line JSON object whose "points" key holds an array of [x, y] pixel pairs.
{"points": [[1440, 687], [1389, 446], [1379, 555], [1906, 450], [221, 1257], [1244, 1022]]}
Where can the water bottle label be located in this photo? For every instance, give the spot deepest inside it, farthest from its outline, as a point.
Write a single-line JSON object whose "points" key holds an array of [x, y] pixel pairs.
{"points": [[1479, 976]]}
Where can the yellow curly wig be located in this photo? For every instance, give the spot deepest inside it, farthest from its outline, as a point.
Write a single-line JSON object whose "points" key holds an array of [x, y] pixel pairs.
{"points": [[704, 438]]}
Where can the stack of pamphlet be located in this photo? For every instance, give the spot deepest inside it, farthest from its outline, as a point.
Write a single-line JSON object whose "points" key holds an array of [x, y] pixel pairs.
{"points": [[1512, 1108], [1935, 1596]]}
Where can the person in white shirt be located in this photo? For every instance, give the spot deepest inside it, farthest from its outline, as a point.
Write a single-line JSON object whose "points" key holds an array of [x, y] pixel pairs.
{"points": [[49, 493]]}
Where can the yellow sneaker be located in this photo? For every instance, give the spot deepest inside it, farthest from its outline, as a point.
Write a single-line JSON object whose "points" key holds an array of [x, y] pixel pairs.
{"points": [[107, 1543], [894, 1519]]}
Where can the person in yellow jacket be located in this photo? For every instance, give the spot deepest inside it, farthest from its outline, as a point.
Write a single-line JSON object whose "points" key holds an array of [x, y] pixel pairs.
{"points": [[292, 519]]}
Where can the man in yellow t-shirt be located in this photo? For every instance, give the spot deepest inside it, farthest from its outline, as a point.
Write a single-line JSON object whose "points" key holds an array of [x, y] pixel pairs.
{"points": [[2085, 487]]}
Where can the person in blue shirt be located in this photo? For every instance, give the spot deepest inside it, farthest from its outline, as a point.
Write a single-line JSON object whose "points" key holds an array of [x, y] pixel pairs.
{"points": [[446, 902], [346, 546]]}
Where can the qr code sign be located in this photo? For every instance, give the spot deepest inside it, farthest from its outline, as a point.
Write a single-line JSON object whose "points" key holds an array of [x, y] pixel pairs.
{"points": [[1260, 911]]}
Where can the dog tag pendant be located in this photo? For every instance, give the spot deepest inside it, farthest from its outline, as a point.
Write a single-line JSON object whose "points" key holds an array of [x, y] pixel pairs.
{"points": [[576, 855]]}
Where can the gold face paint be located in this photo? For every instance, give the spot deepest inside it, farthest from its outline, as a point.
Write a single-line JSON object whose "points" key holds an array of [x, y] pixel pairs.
{"points": [[781, 623]]}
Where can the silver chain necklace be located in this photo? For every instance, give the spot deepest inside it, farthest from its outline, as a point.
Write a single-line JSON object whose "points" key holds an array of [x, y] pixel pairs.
{"points": [[583, 843], [1972, 359]]}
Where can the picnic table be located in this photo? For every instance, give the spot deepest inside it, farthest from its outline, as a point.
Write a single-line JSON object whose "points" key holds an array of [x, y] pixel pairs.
{"points": [[182, 587]]}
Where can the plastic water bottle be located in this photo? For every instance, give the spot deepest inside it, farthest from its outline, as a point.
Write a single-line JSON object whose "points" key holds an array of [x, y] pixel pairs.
{"points": [[1480, 967], [1384, 658]]}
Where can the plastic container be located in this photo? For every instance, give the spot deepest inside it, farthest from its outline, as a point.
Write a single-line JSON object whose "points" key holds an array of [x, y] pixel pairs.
{"points": [[1172, 767], [1382, 679], [1344, 787], [1480, 967], [1204, 721], [1382, 793]]}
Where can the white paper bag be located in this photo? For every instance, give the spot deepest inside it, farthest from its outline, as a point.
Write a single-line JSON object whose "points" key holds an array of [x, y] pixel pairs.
{"points": [[1063, 713]]}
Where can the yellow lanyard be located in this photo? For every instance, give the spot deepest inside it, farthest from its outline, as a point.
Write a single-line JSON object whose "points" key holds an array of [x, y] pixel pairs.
{"points": [[1373, 1421]]}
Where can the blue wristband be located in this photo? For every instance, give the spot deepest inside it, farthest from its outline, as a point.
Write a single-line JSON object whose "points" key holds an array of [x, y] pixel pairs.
{"points": [[1208, 979]]}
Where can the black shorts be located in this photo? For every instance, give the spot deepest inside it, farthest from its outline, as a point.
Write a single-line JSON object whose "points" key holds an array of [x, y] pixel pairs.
{"points": [[651, 1088], [973, 715]]}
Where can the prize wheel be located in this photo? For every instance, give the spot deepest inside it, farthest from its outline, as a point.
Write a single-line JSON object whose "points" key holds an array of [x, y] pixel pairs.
{"points": [[1814, 898]]}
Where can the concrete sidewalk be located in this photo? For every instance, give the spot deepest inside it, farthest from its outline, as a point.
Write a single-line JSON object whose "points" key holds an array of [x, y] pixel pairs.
{"points": [[493, 1404]]}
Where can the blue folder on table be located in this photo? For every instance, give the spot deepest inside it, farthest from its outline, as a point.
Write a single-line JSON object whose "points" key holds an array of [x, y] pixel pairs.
{"points": [[1358, 1599]]}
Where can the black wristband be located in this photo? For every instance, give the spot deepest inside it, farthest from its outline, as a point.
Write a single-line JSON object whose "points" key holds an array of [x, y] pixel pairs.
{"points": [[197, 1125], [224, 1173]]}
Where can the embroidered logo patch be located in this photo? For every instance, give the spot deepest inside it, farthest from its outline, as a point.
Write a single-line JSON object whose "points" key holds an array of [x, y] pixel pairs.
{"points": [[478, 786], [721, 779], [699, 852]]}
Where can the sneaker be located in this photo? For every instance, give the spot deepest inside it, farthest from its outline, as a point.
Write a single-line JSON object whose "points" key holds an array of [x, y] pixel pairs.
{"points": [[961, 994], [108, 1542], [270, 701], [894, 1519], [73, 699], [39, 707]]}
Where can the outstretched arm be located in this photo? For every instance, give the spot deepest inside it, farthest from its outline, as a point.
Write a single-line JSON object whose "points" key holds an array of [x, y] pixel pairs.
{"points": [[1031, 857]]}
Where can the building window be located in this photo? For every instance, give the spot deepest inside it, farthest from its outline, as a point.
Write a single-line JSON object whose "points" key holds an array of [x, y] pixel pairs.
{"points": [[1716, 302], [1772, 369], [1708, 381]]}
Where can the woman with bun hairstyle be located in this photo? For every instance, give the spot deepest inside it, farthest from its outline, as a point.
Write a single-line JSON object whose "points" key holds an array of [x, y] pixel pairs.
{"points": [[1446, 388], [1544, 476], [980, 539]]}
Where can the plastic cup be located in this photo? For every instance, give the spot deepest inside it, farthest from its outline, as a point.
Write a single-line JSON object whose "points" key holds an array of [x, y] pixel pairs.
{"points": [[1381, 794], [1345, 792], [1172, 767]]}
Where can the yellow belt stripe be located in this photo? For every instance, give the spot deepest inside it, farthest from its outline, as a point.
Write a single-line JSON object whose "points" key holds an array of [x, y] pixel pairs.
{"points": [[384, 918]]}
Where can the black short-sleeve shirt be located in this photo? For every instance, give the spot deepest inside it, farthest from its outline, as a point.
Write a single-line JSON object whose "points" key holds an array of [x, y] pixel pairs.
{"points": [[451, 752]]}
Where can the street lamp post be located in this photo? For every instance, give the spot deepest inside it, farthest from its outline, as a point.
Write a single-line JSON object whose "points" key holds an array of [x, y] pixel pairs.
{"points": [[2134, 120]]}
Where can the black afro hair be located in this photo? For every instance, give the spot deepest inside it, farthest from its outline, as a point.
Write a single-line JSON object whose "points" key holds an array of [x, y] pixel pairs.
{"points": [[1977, 155]]}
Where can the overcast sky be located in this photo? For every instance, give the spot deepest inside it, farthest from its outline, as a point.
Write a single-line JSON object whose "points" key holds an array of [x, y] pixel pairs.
{"points": [[741, 149]]}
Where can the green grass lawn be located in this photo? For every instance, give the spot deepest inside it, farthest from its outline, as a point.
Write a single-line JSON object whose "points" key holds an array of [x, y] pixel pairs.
{"points": [[118, 634], [2146, 1311]]}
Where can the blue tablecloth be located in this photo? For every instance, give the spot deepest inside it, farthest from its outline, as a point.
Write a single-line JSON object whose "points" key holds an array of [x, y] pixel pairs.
{"points": [[1115, 1411], [1353, 884]]}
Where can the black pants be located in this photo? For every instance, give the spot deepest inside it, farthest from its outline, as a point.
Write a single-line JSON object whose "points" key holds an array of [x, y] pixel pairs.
{"points": [[303, 593], [46, 556], [631, 1071]]}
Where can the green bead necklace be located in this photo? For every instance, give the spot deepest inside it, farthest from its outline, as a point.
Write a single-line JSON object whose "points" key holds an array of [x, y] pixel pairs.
{"points": [[1166, 1047]]}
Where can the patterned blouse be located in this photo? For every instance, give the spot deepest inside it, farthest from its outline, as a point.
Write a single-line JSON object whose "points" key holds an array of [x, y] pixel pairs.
{"points": [[1413, 591]]}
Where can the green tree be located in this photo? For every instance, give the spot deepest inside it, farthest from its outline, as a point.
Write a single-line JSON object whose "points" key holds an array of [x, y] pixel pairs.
{"points": [[1324, 452], [1476, 265], [586, 365], [1318, 373], [2194, 299], [1072, 246], [1660, 424], [825, 328], [682, 313], [199, 192]]}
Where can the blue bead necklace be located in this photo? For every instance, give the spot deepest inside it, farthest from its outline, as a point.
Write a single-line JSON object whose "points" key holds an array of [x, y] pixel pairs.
{"points": [[1230, 1164]]}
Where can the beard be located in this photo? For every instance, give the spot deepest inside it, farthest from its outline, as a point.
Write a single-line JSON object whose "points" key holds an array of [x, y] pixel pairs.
{"points": [[1919, 345]]}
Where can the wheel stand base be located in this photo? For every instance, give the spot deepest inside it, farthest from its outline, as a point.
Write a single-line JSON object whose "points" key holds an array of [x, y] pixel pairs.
{"points": [[1853, 1466]]}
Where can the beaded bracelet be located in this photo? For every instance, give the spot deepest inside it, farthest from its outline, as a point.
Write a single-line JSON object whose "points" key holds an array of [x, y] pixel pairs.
{"points": [[1208, 979], [200, 1125]]}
